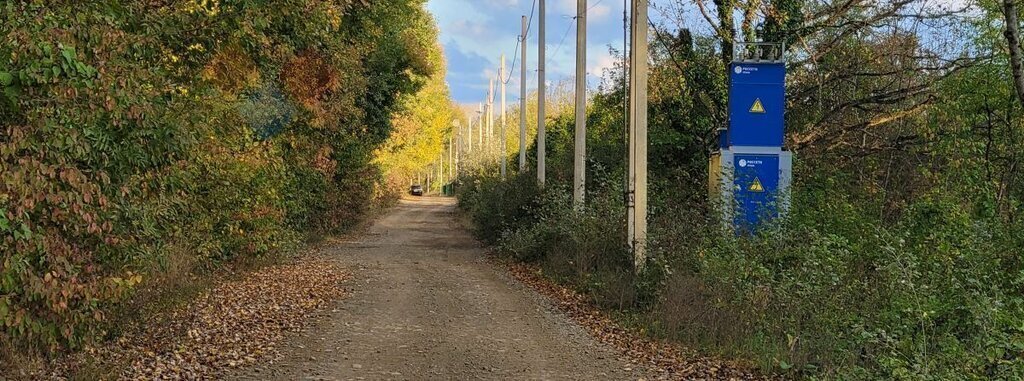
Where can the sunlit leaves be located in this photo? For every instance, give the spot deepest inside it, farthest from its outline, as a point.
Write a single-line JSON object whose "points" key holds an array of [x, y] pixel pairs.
{"points": [[139, 133]]}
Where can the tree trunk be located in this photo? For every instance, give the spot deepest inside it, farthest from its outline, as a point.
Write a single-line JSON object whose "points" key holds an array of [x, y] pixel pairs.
{"points": [[749, 16], [1012, 34], [728, 29]]}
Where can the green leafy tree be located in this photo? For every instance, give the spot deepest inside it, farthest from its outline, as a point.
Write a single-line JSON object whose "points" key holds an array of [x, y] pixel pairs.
{"points": [[141, 136]]}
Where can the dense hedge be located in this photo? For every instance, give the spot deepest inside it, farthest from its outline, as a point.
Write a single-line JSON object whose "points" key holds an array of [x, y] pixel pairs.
{"points": [[137, 136]]}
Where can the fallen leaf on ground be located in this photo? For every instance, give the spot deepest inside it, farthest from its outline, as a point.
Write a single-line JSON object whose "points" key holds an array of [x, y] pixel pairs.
{"points": [[234, 324], [670, 361]]}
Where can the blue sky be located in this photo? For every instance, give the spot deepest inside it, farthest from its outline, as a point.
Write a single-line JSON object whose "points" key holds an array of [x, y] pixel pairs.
{"points": [[475, 33]]}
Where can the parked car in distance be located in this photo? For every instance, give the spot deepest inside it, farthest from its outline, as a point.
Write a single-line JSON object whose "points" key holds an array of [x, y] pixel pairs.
{"points": [[416, 190]]}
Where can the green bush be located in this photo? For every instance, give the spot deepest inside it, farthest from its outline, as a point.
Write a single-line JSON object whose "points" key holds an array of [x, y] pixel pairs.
{"points": [[932, 296], [496, 206], [137, 136], [828, 293], [585, 248]]}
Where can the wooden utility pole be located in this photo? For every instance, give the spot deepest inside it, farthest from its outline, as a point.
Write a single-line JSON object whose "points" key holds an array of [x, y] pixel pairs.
{"points": [[501, 153], [637, 201], [541, 89], [580, 152], [522, 101]]}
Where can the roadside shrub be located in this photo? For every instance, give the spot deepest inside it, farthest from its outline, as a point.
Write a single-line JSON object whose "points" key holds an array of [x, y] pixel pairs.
{"points": [[139, 137], [830, 292], [496, 206], [584, 248], [834, 294]]}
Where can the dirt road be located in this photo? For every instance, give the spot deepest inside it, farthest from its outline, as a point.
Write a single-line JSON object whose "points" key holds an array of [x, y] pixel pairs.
{"points": [[425, 304]]}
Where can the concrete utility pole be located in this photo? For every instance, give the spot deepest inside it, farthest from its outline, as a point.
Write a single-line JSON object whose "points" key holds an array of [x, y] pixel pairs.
{"points": [[522, 101], [637, 202], [480, 128], [440, 173], [451, 154], [501, 153], [458, 153], [469, 136], [490, 117], [580, 155], [541, 147]]}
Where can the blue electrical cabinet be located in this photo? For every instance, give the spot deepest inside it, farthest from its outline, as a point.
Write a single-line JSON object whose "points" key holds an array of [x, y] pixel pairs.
{"points": [[757, 97], [751, 185], [750, 175], [756, 188]]}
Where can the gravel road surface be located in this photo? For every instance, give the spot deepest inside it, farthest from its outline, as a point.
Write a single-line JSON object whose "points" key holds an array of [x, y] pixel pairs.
{"points": [[425, 304]]}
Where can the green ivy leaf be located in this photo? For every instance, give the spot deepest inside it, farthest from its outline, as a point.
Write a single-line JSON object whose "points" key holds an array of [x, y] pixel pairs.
{"points": [[12, 93], [6, 79], [68, 54]]}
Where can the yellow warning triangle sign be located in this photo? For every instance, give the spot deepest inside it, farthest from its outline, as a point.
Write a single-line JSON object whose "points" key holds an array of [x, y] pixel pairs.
{"points": [[756, 186], [758, 107]]}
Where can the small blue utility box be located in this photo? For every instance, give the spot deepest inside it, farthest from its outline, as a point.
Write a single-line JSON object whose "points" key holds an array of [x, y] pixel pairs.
{"points": [[750, 176]]}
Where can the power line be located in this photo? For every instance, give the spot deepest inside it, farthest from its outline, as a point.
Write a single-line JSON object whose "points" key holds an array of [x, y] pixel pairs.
{"points": [[529, 24], [564, 36], [515, 57], [574, 20]]}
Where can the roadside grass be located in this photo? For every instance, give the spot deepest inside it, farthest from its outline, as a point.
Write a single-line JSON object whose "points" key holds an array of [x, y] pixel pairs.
{"points": [[830, 293], [625, 330]]}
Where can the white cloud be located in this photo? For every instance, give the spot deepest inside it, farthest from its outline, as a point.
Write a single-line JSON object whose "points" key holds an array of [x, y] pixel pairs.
{"points": [[504, 3], [487, 28], [595, 9], [949, 5], [603, 60], [566, 6], [487, 74], [468, 28], [599, 12]]}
